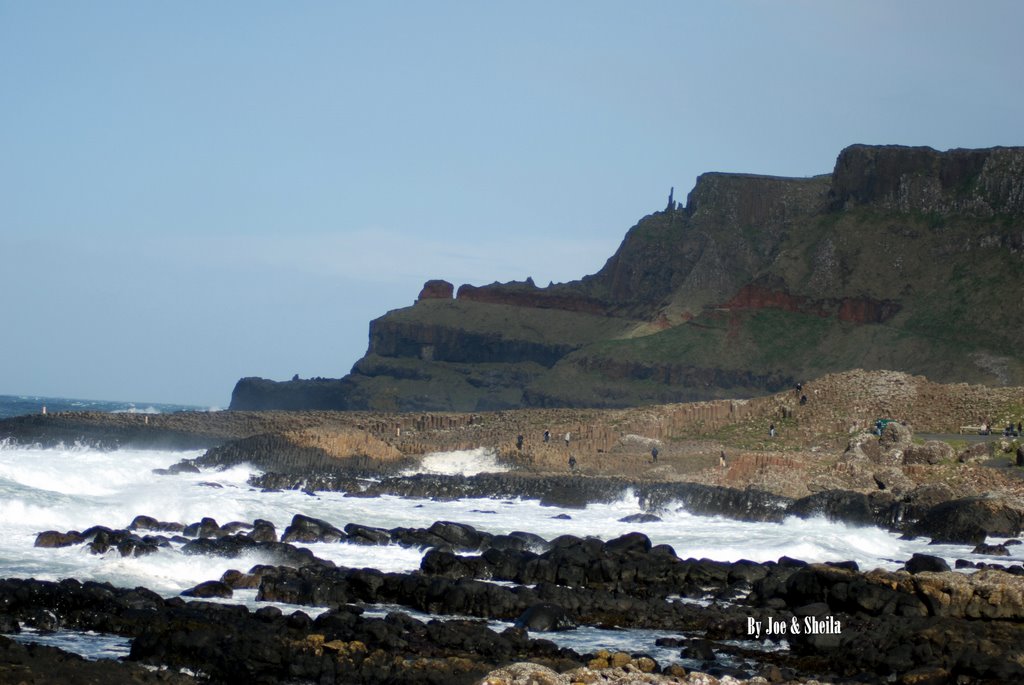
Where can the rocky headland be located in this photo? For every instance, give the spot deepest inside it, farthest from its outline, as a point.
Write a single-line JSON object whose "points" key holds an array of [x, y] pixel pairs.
{"points": [[901, 258]]}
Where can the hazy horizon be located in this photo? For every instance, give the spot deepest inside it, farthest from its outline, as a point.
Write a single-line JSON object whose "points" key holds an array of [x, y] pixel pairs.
{"points": [[193, 193]]}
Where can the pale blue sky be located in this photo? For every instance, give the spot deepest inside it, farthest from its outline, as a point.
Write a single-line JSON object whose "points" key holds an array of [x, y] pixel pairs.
{"points": [[194, 192]]}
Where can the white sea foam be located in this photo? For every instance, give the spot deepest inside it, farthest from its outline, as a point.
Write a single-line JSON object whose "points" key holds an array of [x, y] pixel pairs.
{"points": [[74, 488], [461, 462], [135, 410]]}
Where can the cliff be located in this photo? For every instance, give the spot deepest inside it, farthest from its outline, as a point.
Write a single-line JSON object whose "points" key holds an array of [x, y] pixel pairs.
{"points": [[902, 258]]}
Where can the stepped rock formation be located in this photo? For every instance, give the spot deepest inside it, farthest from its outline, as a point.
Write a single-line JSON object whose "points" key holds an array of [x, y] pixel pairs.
{"points": [[902, 258]]}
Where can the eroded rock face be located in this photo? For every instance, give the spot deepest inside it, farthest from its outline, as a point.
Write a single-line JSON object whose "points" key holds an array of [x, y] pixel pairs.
{"points": [[981, 182], [436, 290], [971, 519], [727, 261]]}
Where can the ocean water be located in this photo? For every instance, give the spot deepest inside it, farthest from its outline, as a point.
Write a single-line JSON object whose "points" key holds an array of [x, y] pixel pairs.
{"points": [[19, 405], [74, 487]]}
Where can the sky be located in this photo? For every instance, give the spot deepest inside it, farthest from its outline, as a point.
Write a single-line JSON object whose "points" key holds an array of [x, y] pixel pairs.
{"points": [[195, 192]]}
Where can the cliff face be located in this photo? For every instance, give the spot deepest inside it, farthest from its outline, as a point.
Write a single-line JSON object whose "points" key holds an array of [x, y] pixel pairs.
{"points": [[901, 258]]}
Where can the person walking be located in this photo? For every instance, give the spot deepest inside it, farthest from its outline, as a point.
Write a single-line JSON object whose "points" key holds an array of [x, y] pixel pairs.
{"points": [[721, 459], [572, 463], [547, 437], [771, 430], [654, 455], [568, 436]]}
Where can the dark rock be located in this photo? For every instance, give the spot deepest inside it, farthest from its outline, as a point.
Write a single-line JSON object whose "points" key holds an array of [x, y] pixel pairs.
{"points": [[920, 563], [309, 529], [459, 535], [437, 289], [360, 534], [210, 588], [143, 522], [544, 618], [236, 580], [991, 550], [698, 649], [52, 538], [263, 531], [206, 528], [630, 542], [970, 520], [640, 518], [836, 505]]}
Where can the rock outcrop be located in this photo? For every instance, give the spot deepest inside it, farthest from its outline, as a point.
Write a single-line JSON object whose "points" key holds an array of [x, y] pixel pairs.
{"points": [[898, 259]]}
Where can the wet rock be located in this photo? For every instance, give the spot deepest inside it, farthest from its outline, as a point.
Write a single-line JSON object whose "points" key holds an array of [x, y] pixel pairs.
{"points": [[971, 519], [925, 563], [458, 535], [236, 580], [835, 505], [709, 500], [545, 618], [52, 538], [640, 518], [367, 535], [700, 650], [44, 665], [210, 588], [143, 522], [991, 550], [308, 529], [263, 531], [205, 528], [630, 542]]}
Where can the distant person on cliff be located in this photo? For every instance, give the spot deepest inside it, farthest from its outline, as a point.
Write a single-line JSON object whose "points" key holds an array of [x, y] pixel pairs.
{"points": [[721, 459], [771, 430], [519, 442], [572, 463], [654, 454], [803, 400], [568, 436], [547, 437]]}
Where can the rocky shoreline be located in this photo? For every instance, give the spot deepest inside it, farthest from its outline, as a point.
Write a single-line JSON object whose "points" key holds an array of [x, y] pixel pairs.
{"points": [[919, 625], [840, 623]]}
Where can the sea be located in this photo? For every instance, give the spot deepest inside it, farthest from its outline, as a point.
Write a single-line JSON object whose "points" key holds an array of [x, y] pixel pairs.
{"points": [[72, 487]]}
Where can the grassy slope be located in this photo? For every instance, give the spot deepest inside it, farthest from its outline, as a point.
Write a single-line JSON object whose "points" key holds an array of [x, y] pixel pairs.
{"points": [[955, 278], [960, 307], [546, 326]]}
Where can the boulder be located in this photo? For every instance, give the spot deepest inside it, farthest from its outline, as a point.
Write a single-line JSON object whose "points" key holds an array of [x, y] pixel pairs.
{"points": [[52, 538], [368, 535], [895, 436], [892, 479], [640, 518], [210, 588], [143, 522], [263, 531], [630, 542], [309, 529], [932, 452], [545, 618], [925, 563]]}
